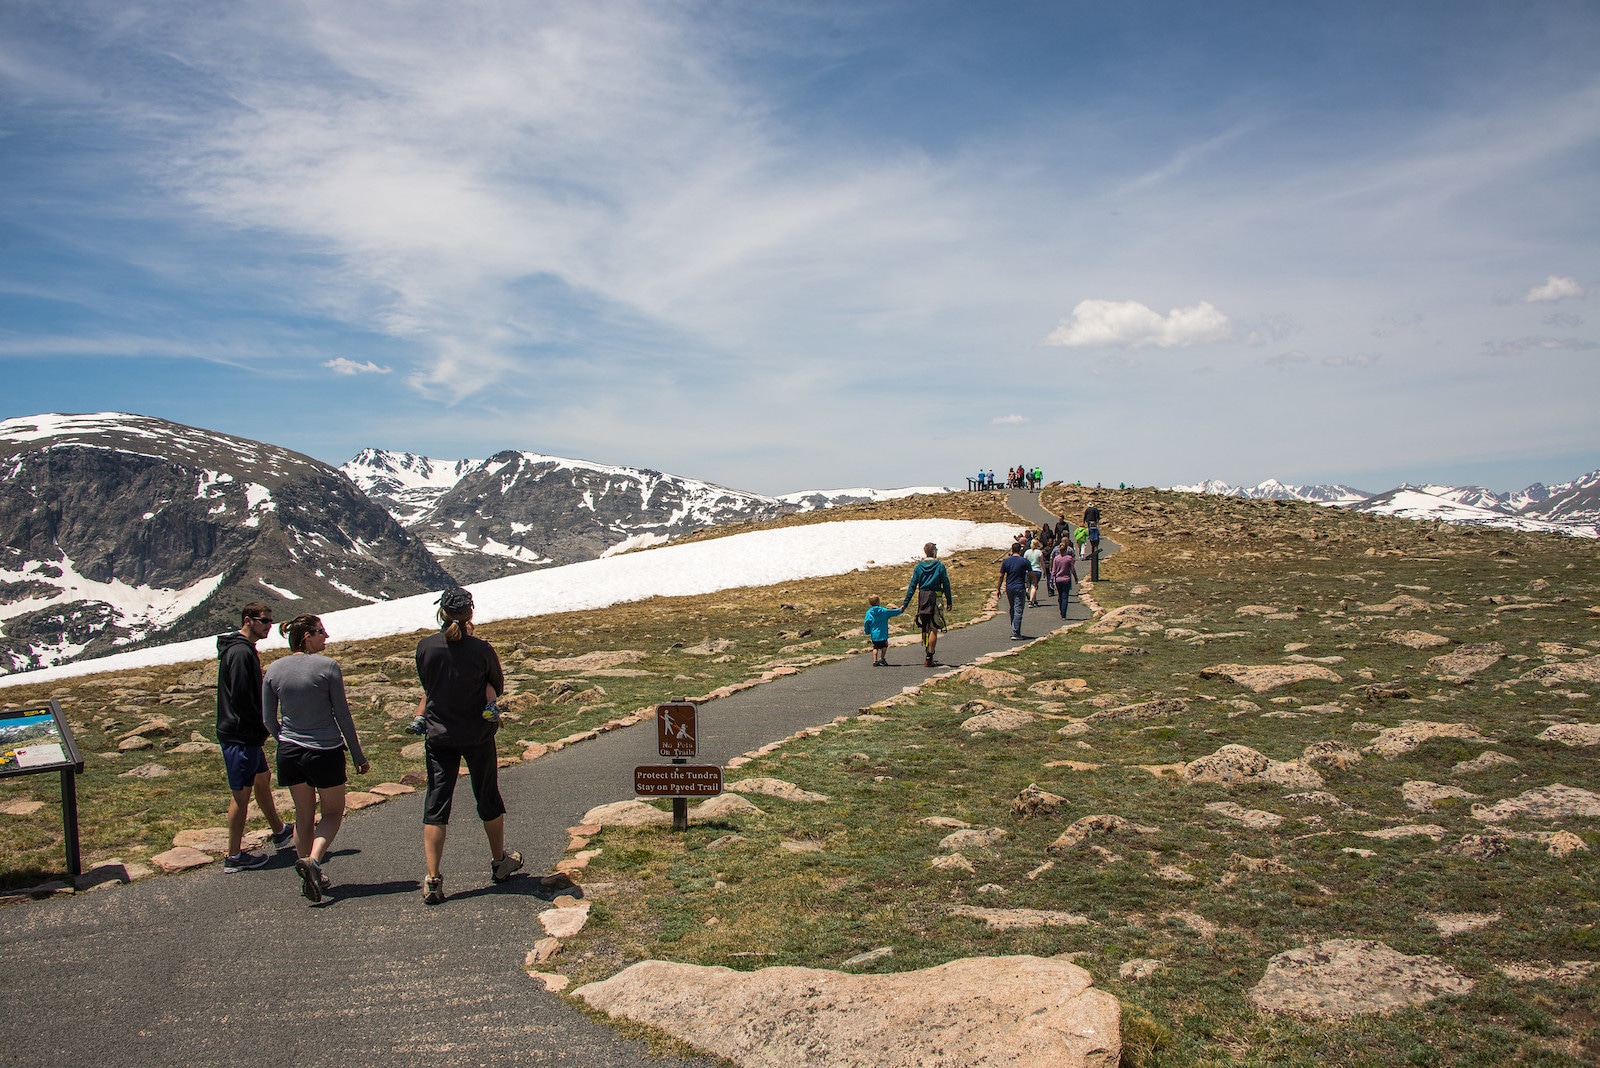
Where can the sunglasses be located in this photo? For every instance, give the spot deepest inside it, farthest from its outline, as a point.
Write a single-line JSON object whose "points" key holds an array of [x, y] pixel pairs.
{"points": [[261, 619]]}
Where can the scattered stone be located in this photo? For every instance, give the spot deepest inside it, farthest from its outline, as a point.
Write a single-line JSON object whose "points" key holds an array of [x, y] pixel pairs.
{"points": [[991, 888], [356, 800], [1573, 734], [414, 778], [1552, 802], [989, 679], [1235, 764], [393, 789], [784, 791], [800, 845], [998, 719], [1416, 639], [951, 862], [1262, 678], [723, 806], [1073, 765], [1033, 801], [1401, 605], [181, 858], [205, 839], [1040, 870], [1086, 827], [1072, 730], [1157, 709], [1296, 658], [1362, 853], [1330, 708], [1018, 919], [1110, 650], [554, 982], [606, 658], [724, 842], [564, 922], [1259, 865], [414, 751], [1572, 971], [1316, 797], [146, 771], [1255, 610], [1254, 818], [1564, 844], [1350, 976], [1059, 687], [152, 725], [1408, 830], [868, 957], [1453, 923], [1484, 761], [1479, 846], [1587, 670], [1421, 796], [1196, 922], [21, 808], [1139, 969], [542, 951], [625, 814], [1468, 660], [128, 745], [971, 838], [1330, 755], [979, 1011], [1394, 741], [1173, 874], [948, 822], [1159, 770], [196, 748], [1128, 615], [1385, 691]]}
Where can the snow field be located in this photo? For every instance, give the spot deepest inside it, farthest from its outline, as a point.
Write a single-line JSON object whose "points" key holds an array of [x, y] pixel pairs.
{"points": [[760, 558]]}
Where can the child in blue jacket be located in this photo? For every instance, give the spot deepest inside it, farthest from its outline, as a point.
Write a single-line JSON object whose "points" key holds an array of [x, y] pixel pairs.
{"points": [[877, 627]]}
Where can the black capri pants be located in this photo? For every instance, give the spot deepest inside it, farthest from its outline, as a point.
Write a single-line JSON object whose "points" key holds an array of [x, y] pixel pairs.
{"points": [[444, 767]]}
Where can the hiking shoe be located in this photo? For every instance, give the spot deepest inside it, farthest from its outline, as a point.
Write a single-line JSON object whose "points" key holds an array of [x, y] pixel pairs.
{"points": [[927, 661], [432, 889], [284, 838], [509, 862], [244, 860], [417, 726], [491, 712], [310, 873]]}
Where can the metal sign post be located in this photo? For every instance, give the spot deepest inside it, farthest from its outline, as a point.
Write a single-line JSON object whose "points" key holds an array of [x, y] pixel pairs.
{"points": [[39, 739], [677, 739]]}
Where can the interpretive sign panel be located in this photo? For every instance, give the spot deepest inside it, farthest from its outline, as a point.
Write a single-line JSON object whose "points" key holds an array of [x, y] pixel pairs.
{"points": [[36, 739], [677, 780], [676, 729]]}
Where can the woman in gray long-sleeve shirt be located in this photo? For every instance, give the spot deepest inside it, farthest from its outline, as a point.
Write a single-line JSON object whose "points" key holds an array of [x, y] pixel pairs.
{"points": [[302, 698]]}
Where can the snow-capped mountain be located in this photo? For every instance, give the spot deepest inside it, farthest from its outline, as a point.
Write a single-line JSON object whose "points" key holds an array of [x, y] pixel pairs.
{"points": [[811, 500], [1571, 507], [516, 511], [1272, 489], [117, 529]]}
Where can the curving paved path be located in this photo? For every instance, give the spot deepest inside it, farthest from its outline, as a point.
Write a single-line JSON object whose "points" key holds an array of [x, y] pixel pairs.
{"points": [[217, 969]]}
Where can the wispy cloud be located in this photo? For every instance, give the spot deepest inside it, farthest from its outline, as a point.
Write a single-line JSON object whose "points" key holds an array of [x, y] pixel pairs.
{"points": [[341, 366], [1009, 420], [1129, 324], [1288, 359], [1359, 359], [1556, 287], [1565, 320], [1517, 346]]}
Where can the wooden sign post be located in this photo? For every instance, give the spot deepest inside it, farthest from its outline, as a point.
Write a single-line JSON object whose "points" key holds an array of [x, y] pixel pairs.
{"points": [[677, 738]]}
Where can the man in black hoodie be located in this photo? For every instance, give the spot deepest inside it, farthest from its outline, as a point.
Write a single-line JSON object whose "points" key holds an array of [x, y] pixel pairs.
{"points": [[242, 731]]}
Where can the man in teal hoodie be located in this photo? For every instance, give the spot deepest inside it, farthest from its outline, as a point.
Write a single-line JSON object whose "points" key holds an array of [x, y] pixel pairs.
{"points": [[928, 580]]}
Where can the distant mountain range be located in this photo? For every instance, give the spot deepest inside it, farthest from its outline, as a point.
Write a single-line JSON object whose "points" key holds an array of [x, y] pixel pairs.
{"points": [[1569, 508]]}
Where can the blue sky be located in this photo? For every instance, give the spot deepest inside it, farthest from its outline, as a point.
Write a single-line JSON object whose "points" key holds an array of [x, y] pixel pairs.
{"points": [[796, 245]]}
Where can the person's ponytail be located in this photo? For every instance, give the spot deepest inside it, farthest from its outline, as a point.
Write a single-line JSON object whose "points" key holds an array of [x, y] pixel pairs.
{"points": [[296, 630]]}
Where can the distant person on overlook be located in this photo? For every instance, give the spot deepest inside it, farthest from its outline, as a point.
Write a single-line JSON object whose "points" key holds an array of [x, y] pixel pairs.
{"points": [[929, 579], [458, 671], [242, 733], [306, 711], [1014, 573]]}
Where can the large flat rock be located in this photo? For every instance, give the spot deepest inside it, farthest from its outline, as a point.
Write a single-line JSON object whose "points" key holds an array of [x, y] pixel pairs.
{"points": [[1352, 976], [980, 1012], [1260, 678]]}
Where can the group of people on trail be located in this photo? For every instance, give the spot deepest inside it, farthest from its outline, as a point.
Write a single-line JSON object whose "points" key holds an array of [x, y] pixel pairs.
{"points": [[1038, 558], [1019, 477], [300, 702]]}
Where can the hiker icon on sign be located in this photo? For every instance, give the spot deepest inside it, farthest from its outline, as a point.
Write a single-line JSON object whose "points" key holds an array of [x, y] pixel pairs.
{"points": [[675, 730]]}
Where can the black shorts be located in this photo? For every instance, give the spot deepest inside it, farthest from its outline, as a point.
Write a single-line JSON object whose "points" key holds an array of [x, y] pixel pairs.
{"points": [[444, 766], [880, 645], [321, 768]]}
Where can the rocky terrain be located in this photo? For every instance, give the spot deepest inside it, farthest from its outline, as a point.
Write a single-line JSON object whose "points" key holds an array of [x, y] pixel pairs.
{"points": [[117, 529], [517, 511]]}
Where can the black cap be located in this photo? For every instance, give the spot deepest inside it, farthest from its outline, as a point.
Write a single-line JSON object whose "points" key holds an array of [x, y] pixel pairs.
{"points": [[455, 601]]}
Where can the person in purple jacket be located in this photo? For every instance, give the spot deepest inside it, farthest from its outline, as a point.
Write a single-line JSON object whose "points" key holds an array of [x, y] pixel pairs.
{"points": [[1063, 572]]}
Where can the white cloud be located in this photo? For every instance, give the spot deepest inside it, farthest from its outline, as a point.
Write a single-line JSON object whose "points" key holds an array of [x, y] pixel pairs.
{"points": [[1554, 288], [1129, 324], [1009, 420], [342, 366], [1517, 346], [1284, 359], [1360, 359]]}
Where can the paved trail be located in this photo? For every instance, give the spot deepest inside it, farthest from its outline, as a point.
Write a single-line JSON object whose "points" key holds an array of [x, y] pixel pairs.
{"points": [[208, 968]]}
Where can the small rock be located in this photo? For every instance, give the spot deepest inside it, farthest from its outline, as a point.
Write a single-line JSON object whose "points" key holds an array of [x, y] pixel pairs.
{"points": [[1235, 764], [971, 838], [724, 842], [1572, 971], [1331, 755], [1363, 853], [1033, 801], [195, 748], [414, 751], [989, 679], [1086, 827], [991, 888], [1573, 734], [414, 778], [1263, 678], [1408, 830], [1564, 844], [784, 791], [868, 957], [1394, 741], [21, 808], [1018, 919], [949, 822], [356, 800], [1479, 846], [128, 745], [1416, 639], [951, 862], [1254, 818], [802, 845], [626, 814], [553, 982], [1484, 761], [1349, 976], [723, 806], [1173, 874], [564, 922], [393, 789], [1059, 687], [1259, 865], [1453, 923], [1139, 969], [1421, 796], [542, 951], [998, 719], [1161, 708], [181, 858], [1552, 802]]}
